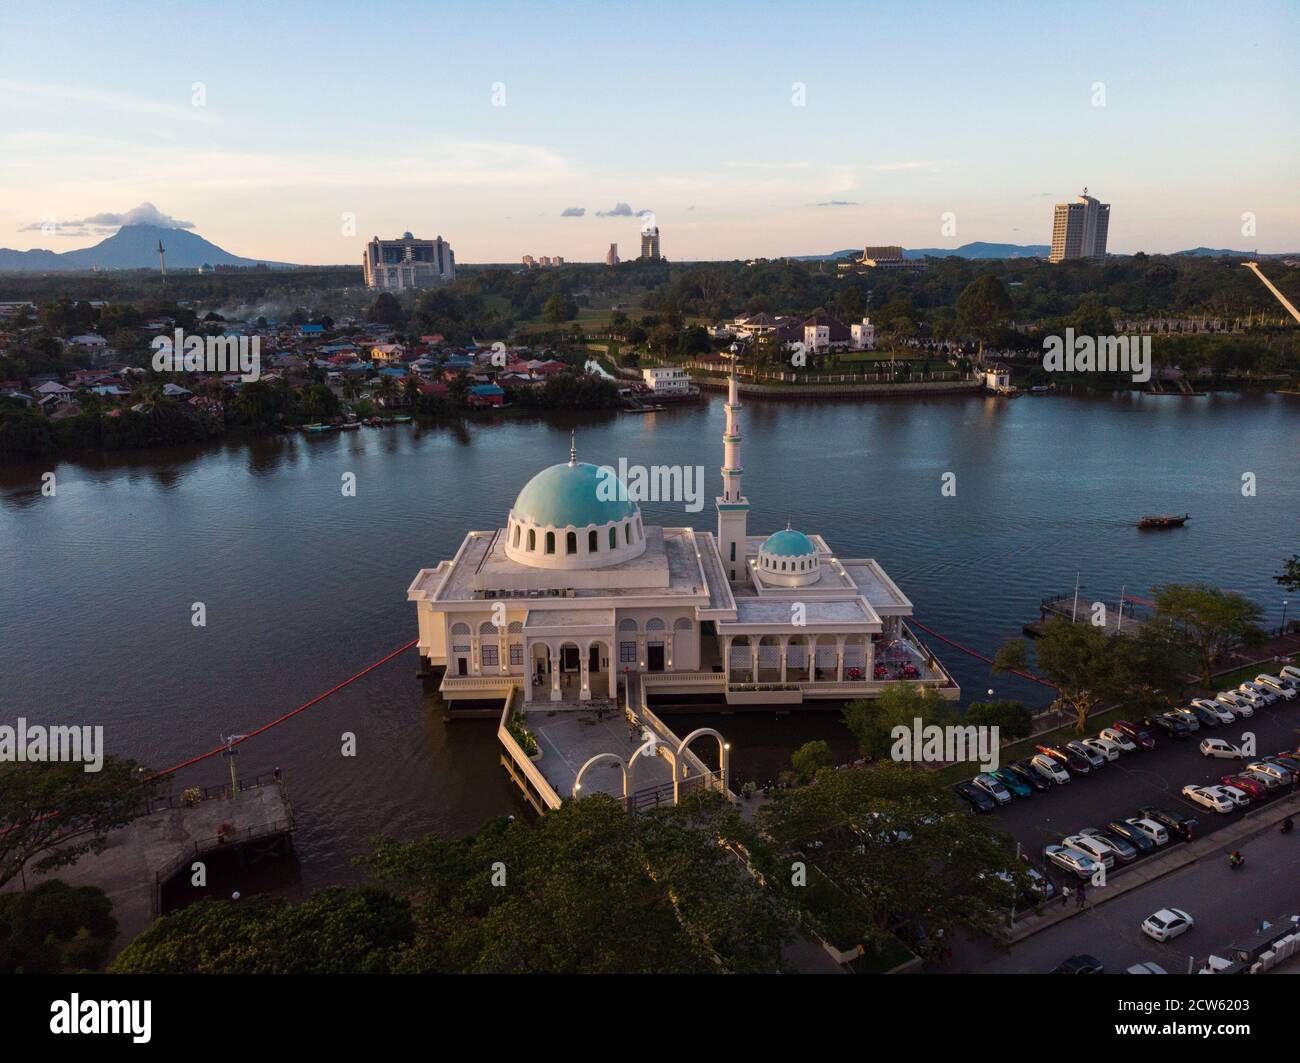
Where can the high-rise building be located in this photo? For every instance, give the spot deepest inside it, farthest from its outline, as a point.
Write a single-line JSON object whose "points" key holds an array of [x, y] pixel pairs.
{"points": [[408, 263], [1079, 229], [650, 242], [611, 256]]}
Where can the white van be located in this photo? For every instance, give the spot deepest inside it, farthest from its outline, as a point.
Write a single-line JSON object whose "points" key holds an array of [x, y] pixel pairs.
{"points": [[1235, 703], [1263, 767], [1291, 672], [1267, 693], [1284, 688], [1153, 830]]}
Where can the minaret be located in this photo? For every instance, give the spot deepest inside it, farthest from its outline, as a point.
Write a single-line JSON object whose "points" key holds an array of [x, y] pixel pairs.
{"points": [[573, 447], [733, 506]]}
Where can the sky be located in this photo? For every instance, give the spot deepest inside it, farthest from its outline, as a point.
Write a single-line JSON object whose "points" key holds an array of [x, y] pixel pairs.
{"points": [[295, 131]]}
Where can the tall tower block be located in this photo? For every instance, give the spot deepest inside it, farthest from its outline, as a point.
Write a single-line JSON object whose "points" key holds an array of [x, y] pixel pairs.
{"points": [[733, 506]]}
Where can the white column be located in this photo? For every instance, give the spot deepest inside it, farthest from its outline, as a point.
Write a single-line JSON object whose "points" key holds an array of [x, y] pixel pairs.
{"points": [[839, 658], [726, 658], [555, 674], [784, 645], [584, 673]]}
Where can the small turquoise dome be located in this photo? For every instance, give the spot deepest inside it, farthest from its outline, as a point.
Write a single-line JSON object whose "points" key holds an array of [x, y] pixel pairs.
{"points": [[788, 543], [577, 495]]}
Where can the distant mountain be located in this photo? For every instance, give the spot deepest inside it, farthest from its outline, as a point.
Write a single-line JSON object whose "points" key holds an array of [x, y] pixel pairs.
{"points": [[978, 249], [1218, 252], [131, 247]]}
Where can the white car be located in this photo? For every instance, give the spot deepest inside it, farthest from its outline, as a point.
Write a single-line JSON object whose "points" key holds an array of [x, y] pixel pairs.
{"points": [[1235, 794], [1263, 767], [1166, 924], [1267, 693], [1285, 688], [1270, 780], [1094, 847], [1254, 700], [1146, 967], [1219, 747], [1289, 671], [1072, 860], [1235, 702], [1105, 749], [1156, 832], [1050, 769], [1118, 738], [1207, 797], [1225, 711], [1217, 709], [993, 788]]}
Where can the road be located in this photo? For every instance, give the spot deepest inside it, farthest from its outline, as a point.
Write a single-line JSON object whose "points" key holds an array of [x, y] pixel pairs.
{"points": [[1225, 905]]}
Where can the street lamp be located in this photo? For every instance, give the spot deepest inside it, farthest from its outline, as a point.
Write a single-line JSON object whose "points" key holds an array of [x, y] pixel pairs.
{"points": [[1284, 605]]}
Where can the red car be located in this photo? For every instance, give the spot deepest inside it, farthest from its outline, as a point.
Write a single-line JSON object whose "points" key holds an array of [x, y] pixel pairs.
{"points": [[1140, 738], [1255, 791]]}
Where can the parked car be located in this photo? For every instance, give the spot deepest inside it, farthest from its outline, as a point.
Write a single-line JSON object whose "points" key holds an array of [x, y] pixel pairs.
{"points": [[1291, 672], [1256, 700], [1146, 967], [1266, 692], [1071, 761], [975, 797], [1208, 797], [1140, 841], [1180, 826], [1280, 772], [1138, 735], [1270, 780], [1124, 852], [1039, 889], [1291, 760], [1287, 768], [1225, 713], [1094, 759], [1081, 964], [1178, 726], [992, 787], [1027, 773], [1166, 924], [1211, 713], [1253, 788], [1100, 852], [1101, 747], [1235, 794], [1050, 768], [1219, 747], [1119, 738], [1153, 831], [1015, 785], [1283, 687], [1072, 860], [1235, 702]]}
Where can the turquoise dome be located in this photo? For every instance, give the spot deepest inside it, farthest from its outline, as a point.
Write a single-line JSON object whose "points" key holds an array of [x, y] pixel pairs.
{"points": [[788, 543], [576, 495]]}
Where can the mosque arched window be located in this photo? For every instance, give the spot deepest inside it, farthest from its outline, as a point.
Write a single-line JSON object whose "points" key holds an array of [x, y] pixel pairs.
{"points": [[613, 537], [593, 541], [550, 542], [571, 543]]}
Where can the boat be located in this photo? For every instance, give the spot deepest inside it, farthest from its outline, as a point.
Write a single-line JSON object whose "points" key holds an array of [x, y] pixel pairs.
{"points": [[318, 428], [1169, 521], [401, 418], [349, 425]]}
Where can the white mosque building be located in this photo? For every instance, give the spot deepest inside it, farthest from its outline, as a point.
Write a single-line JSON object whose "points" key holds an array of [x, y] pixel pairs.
{"points": [[576, 591]]}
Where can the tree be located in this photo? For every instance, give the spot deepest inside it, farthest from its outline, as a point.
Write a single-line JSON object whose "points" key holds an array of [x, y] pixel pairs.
{"points": [[1212, 620], [873, 721], [385, 310], [1290, 577], [1012, 656], [55, 812], [336, 931], [54, 928], [1156, 659], [811, 757], [983, 307], [558, 309], [1012, 718], [586, 889], [895, 857], [1082, 661]]}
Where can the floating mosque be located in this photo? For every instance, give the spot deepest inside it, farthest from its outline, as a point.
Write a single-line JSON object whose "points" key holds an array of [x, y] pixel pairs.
{"points": [[577, 600]]}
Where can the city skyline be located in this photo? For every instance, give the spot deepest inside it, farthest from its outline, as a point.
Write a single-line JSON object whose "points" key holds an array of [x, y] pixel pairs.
{"points": [[739, 145]]}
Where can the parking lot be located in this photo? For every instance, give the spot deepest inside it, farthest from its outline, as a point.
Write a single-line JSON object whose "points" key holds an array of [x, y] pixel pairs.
{"points": [[1144, 779]]}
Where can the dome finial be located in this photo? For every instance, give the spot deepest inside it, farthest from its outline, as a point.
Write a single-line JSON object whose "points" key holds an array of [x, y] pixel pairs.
{"points": [[787, 525], [573, 446]]}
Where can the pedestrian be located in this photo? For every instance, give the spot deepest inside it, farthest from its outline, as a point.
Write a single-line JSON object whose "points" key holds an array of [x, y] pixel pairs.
{"points": [[1081, 897], [1065, 896]]}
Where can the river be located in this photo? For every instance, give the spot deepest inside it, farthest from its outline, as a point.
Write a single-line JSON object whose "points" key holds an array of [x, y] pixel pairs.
{"points": [[302, 586]]}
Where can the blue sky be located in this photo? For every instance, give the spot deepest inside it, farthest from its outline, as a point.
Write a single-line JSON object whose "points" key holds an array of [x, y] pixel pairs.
{"points": [[385, 111]]}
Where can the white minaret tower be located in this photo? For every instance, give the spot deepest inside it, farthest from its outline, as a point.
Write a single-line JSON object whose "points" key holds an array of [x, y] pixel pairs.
{"points": [[733, 506]]}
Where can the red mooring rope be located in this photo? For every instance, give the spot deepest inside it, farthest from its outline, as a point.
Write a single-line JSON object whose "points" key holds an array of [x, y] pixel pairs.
{"points": [[975, 653]]}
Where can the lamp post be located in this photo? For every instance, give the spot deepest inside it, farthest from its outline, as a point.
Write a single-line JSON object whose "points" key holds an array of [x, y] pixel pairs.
{"points": [[1284, 605]]}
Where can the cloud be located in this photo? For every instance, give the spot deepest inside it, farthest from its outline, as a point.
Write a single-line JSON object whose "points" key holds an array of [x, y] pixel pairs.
{"points": [[573, 212], [837, 203], [621, 210], [109, 222], [886, 167]]}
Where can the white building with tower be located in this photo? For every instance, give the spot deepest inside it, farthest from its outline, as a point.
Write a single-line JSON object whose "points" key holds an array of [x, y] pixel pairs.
{"points": [[576, 599]]}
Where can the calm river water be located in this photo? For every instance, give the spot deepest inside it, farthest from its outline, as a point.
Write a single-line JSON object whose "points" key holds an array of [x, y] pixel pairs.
{"points": [[303, 586]]}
